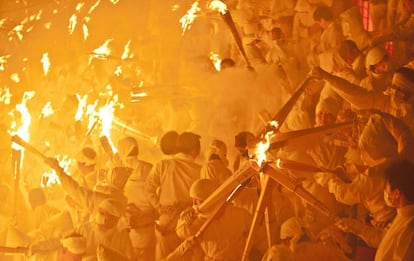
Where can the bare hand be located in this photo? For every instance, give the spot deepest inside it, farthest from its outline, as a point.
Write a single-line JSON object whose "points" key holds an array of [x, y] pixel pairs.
{"points": [[189, 215]]}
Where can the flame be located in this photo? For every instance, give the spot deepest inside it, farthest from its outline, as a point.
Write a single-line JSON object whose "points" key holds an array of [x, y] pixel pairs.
{"points": [[72, 23], [5, 95], [106, 115], [126, 54], [50, 177], [46, 63], [218, 5], [3, 61], [278, 164], [85, 31], [264, 144], [81, 106], [15, 77], [79, 6], [92, 116], [22, 129], [188, 19], [94, 6], [47, 110], [215, 58], [102, 52]]}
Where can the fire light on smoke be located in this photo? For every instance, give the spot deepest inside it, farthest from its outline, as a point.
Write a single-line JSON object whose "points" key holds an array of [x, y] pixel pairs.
{"points": [[46, 63], [218, 5], [188, 19], [50, 177]]}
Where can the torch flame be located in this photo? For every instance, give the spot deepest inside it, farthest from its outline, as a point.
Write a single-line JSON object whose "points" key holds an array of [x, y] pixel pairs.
{"points": [[81, 106], [264, 144], [85, 31], [188, 19], [5, 95], [22, 130], [94, 6], [126, 54], [46, 63], [47, 110], [215, 58], [103, 51], [218, 5], [50, 177], [72, 23], [106, 115]]}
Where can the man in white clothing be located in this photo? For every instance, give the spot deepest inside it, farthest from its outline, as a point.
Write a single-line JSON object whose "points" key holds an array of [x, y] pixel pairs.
{"points": [[167, 186], [398, 241]]}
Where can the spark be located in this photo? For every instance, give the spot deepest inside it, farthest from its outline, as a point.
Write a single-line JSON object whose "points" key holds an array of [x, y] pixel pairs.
{"points": [[188, 19]]}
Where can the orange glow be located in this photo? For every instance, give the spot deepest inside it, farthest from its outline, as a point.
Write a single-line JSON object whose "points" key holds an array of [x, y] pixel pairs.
{"points": [[188, 19]]}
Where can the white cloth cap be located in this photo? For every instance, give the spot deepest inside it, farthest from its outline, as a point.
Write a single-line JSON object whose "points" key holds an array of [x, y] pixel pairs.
{"points": [[328, 105], [202, 188], [291, 228], [76, 244], [374, 56]]}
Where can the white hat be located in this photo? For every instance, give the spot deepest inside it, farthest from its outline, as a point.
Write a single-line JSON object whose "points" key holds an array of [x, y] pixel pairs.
{"points": [[202, 188], [374, 56], [291, 228], [112, 206], [75, 243], [328, 105]]}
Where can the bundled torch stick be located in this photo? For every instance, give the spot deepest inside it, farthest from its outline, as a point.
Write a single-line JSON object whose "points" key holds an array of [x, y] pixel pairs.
{"points": [[294, 186], [282, 114], [230, 23], [16, 139]]}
